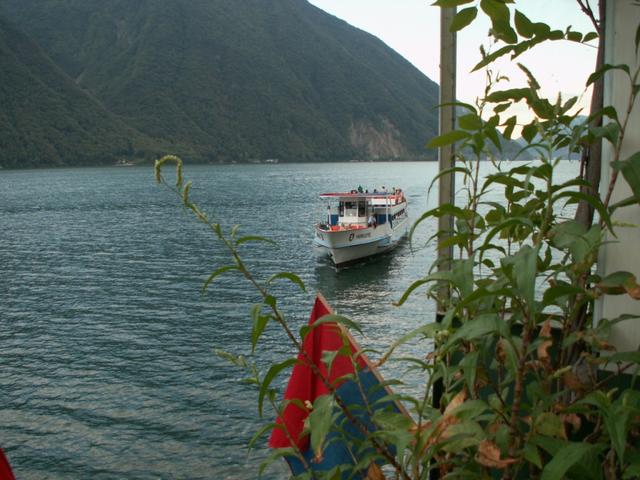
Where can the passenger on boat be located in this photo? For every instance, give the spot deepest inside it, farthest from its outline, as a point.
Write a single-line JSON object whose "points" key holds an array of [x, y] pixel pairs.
{"points": [[372, 221]]}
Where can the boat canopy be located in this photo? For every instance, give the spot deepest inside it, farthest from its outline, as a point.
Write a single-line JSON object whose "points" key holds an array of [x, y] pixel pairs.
{"points": [[374, 198], [351, 196]]}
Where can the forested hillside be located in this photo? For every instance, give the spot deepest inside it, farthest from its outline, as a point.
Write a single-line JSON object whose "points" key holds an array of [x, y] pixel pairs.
{"points": [[45, 119], [216, 80]]}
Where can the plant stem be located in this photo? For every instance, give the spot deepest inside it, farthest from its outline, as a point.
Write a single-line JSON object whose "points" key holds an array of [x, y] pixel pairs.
{"points": [[618, 147], [362, 428]]}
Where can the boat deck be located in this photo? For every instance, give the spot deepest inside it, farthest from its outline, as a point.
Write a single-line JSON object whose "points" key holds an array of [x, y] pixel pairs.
{"points": [[341, 228]]}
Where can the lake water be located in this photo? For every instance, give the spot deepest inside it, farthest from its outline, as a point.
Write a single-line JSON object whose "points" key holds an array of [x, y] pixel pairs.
{"points": [[107, 367]]}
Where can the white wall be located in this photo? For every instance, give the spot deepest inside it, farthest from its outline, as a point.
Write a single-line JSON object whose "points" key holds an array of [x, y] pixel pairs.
{"points": [[624, 254]]}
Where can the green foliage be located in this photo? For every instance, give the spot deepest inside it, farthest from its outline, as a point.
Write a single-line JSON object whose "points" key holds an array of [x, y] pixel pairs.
{"points": [[521, 334]]}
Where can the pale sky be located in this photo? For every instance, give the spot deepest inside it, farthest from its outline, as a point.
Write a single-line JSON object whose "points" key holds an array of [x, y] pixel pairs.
{"points": [[411, 27]]}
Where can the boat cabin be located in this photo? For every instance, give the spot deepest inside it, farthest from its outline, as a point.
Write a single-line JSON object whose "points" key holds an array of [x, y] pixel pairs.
{"points": [[356, 210]]}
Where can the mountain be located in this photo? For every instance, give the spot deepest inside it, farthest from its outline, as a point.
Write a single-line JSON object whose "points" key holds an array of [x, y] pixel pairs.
{"points": [[218, 80], [46, 119]]}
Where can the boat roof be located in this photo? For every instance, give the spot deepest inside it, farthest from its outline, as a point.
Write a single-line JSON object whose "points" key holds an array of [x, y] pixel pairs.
{"points": [[357, 195]]}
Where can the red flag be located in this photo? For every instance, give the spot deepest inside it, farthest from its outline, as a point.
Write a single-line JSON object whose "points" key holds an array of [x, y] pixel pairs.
{"points": [[303, 384], [5, 468]]}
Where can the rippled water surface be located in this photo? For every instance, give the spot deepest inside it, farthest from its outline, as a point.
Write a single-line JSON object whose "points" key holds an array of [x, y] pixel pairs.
{"points": [[107, 367]]}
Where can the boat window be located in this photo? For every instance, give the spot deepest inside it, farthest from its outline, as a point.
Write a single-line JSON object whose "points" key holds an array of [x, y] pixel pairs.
{"points": [[350, 209], [341, 209], [361, 211]]}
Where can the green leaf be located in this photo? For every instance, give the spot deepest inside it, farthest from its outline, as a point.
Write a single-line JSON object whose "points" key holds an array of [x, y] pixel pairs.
{"points": [[624, 357], [630, 169], [617, 428], [463, 18], [169, 158], [530, 131], [320, 422], [487, 59], [524, 26], [559, 291], [556, 35], [256, 436], [510, 124], [427, 331], [564, 459], [476, 328], [533, 83], [501, 107], [469, 364], [448, 138], [492, 134], [277, 454], [610, 131], [470, 409], [543, 109], [569, 104], [595, 76], [470, 122], [328, 357], [271, 301], [590, 36], [254, 238], [514, 94], [541, 31], [524, 265], [332, 318], [593, 200], [466, 106], [617, 279], [218, 272], [415, 285], [446, 209], [532, 455], [185, 193], [549, 424], [441, 173], [499, 14], [574, 37], [463, 435], [598, 399], [259, 324], [289, 276], [237, 360], [268, 378], [632, 472], [508, 223], [632, 200]]}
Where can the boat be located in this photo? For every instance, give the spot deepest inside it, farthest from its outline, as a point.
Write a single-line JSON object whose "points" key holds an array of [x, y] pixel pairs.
{"points": [[360, 224], [123, 162]]}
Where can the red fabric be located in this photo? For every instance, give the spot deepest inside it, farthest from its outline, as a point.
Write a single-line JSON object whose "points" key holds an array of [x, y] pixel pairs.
{"points": [[5, 468], [306, 386]]}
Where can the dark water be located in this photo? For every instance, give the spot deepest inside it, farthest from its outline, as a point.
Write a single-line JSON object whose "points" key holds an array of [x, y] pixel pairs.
{"points": [[107, 367]]}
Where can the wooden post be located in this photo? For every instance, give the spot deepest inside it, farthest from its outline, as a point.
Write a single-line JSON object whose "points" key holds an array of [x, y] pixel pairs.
{"points": [[447, 122]]}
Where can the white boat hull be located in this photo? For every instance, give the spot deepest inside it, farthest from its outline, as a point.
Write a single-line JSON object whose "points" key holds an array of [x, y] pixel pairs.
{"points": [[346, 246]]}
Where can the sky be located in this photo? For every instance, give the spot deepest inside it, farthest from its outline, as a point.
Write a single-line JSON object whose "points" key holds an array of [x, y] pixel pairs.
{"points": [[411, 27]]}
